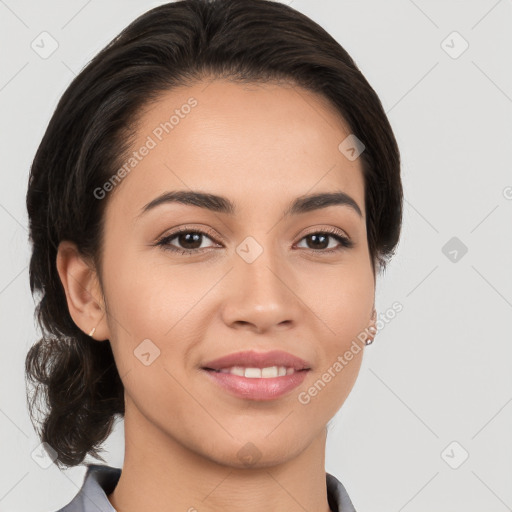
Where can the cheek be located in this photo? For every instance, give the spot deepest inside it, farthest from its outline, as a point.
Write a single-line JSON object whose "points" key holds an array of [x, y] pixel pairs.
{"points": [[327, 392], [149, 294], [342, 300], [150, 299], [343, 304]]}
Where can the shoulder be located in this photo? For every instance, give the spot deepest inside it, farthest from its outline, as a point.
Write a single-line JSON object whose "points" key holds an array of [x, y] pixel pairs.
{"points": [[339, 500], [99, 481]]}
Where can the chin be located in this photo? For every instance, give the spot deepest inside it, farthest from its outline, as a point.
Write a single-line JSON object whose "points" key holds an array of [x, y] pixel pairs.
{"points": [[257, 451]]}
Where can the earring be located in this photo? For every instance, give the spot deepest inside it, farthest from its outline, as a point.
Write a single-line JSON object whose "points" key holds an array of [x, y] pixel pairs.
{"points": [[372, 329], [369, 341], [92, 331]]}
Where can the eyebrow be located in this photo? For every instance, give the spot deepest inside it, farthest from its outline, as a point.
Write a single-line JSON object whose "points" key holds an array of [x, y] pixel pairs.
{"points": [[215, 203]]}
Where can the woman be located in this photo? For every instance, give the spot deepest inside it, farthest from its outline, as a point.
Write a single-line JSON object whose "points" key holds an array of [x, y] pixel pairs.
{"points": [[209, 208]]}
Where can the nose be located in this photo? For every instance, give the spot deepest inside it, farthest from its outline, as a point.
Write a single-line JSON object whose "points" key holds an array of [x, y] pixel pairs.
{"points": [[261, 295]]}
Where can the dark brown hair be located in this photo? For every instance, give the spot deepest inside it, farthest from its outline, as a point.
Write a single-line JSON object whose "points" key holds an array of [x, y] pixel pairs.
{"points": [[89, 134]]}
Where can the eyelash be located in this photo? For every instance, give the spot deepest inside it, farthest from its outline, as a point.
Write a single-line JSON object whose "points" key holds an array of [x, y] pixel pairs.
{"points": [[344, 241]]}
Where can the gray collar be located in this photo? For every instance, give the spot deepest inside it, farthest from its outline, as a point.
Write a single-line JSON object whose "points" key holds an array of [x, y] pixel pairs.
{"points": [[100, 481]]}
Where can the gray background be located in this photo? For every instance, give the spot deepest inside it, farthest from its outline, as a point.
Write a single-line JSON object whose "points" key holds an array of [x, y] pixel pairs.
{"points": [[440, 371]]}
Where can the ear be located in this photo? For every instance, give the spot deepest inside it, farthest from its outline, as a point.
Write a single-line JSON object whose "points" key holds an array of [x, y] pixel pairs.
{"points": [[83, 291]]}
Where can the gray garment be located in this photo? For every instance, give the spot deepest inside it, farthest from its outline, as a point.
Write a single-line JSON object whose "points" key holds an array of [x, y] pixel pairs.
{"points": [[100, 481]]}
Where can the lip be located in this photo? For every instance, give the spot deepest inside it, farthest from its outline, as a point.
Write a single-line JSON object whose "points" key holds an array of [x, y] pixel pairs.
{"points": [[262, 389], [253, 359]]}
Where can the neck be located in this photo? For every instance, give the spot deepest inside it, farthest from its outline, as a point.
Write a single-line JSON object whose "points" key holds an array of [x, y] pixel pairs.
{"points": [[160, 473]]}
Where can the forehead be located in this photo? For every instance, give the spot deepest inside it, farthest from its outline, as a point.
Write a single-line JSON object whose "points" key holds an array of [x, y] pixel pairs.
{"points": [[259, 144]]}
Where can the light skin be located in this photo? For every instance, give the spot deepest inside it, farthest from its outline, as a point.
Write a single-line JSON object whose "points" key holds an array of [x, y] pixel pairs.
{"points": [[260, 146]]}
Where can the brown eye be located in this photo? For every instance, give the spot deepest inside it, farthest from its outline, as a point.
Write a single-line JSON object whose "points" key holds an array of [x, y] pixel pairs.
{"points": [[189, 241], [319, 241]]}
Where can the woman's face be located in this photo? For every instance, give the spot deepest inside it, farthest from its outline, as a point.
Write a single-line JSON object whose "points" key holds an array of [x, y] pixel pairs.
{"points": [[255, 279]]}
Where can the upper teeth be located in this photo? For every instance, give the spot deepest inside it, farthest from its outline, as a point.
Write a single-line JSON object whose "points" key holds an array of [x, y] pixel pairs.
{"points": [[258, 373]]}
